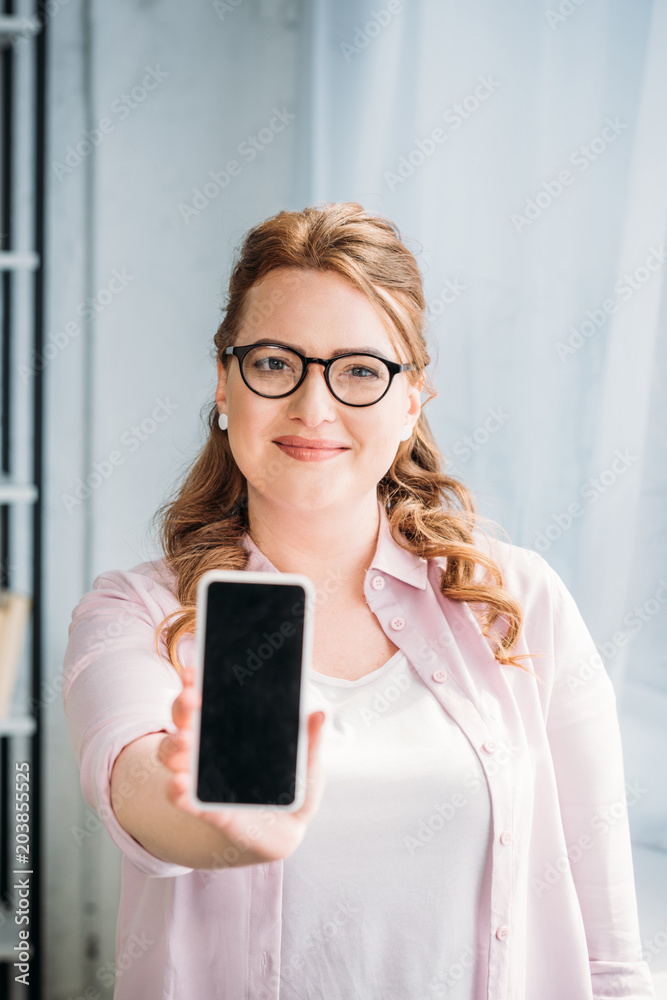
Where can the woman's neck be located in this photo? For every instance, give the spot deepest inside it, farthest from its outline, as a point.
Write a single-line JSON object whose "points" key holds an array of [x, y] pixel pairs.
{"points": [[332, 546]]}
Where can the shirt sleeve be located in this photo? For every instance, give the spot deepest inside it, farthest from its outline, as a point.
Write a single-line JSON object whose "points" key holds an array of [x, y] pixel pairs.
{"points": [[116, 688], [585, 740]]}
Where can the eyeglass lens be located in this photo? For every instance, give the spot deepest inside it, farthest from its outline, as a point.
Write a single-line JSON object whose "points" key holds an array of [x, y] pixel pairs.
{"points": [[357, 378]]}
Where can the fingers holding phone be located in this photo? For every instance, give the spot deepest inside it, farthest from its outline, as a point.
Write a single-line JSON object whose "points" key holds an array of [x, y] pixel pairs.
{"points": [[245, 758], [259, 836], [175, 749], [314, 773]]}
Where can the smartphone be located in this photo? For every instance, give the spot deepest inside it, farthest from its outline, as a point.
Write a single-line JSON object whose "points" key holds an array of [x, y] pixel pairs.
{"points": [[254, 636]]}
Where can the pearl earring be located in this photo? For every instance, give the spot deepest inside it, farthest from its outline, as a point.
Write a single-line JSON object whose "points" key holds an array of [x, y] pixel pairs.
{"points": [[406, 433], [223, 422]]}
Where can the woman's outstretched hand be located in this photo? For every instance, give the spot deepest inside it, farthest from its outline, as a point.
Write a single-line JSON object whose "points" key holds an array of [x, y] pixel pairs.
{"points": [[254, 835]]}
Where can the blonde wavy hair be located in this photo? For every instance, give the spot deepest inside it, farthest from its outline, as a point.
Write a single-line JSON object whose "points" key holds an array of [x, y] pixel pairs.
{"points": [[430, 513]]}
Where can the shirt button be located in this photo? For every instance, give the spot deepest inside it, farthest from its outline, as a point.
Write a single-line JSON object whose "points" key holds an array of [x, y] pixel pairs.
{"points": [[505, 837], [377, 583], [489, 746], [398, 623], [439, 676], [502, 932]]}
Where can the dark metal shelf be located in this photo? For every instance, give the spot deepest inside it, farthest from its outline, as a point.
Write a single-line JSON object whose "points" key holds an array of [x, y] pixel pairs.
{"points": [[22, 733]]}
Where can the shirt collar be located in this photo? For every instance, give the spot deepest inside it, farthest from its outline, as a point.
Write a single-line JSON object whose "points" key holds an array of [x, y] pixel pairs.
{"points": [[393, 559], [390, 557]]}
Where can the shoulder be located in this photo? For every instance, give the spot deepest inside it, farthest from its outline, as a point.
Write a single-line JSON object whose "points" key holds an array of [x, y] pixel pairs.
{"points": [[551, 616], [114, 628], [150, 574], [523, 569], [525, 572], [149, 587]]}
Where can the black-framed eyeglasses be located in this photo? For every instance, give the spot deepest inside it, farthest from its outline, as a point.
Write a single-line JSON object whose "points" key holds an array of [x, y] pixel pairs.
{"points": [[356, 379]]}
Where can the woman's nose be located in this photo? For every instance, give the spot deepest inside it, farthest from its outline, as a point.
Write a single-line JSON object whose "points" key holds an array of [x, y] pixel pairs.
{"points": [[312, 401]]}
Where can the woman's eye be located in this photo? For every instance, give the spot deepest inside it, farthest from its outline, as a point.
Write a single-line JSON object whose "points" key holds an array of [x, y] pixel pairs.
{"points": [[271, 364], [362, 371]]}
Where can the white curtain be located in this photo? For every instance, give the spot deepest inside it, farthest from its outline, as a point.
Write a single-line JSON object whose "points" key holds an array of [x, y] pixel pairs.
{"points": [[522, 149]]}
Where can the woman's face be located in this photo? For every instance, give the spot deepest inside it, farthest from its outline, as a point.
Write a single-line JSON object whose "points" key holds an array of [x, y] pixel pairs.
{"points": [[317, 313]]}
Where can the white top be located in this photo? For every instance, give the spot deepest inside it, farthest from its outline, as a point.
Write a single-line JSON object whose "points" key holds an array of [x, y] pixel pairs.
{"points": [[386, 887]]}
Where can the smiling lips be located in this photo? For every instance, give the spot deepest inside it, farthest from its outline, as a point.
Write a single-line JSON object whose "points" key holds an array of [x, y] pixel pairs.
{"points": [[310, 450]]}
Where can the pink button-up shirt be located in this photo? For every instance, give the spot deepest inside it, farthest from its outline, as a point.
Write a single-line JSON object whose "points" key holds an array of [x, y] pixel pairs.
{"points": [[559, 912]]}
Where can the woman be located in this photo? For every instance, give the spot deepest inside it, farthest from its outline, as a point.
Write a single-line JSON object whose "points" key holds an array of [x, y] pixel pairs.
{"points": [[452, 841]]}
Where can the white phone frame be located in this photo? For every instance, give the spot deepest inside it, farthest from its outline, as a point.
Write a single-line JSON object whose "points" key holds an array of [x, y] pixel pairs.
{"points": [[276, 579]]}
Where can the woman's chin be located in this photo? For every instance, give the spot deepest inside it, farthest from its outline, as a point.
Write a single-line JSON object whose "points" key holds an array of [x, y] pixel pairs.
{"points": [[308, 498]]}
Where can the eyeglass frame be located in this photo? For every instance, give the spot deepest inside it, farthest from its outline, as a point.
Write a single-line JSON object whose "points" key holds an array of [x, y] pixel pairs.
{"points": [[393, 366]]}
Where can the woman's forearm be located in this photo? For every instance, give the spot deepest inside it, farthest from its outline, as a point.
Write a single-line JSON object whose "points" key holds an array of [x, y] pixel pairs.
{"points": [[139, 798]]}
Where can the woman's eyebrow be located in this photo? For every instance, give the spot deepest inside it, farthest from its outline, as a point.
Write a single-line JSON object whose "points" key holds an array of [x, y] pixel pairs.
{"points": [[334, 354]]}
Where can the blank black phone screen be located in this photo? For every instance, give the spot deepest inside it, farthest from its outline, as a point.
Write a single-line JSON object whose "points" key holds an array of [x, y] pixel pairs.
{"points": [[250, 693]]}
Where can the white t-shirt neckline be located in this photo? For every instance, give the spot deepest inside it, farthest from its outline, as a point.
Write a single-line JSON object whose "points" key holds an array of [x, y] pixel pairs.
{"points": [[393, 661]]}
